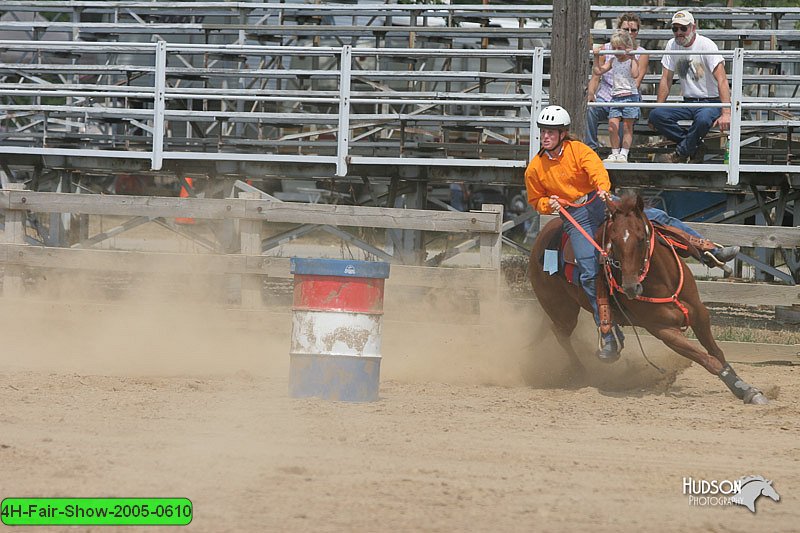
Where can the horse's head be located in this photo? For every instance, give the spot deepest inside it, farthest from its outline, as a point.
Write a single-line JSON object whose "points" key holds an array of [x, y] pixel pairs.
{"points": [[768, 491], [627, 241]]}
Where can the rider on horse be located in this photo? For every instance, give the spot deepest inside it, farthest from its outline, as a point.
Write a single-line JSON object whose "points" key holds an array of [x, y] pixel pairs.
{"points": [[568, 170]]}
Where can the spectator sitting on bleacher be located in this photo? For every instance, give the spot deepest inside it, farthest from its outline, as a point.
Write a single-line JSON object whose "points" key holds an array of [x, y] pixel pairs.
{"points": [[600, 86], [703, 79], [625, 71]]}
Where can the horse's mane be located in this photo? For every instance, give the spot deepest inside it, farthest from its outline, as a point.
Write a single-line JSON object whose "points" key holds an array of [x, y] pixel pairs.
{"points": [[628, 204], [748, 479]]}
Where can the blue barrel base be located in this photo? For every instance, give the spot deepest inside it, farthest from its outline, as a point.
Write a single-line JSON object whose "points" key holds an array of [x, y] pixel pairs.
{"points": [[334, 377]]}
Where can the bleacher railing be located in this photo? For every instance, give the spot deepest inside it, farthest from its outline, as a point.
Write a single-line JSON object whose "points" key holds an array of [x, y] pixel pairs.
{"points": [[341, 106], [740, 105]]}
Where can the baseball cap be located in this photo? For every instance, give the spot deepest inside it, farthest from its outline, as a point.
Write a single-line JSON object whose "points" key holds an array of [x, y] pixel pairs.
{"points": [[682, 17]]}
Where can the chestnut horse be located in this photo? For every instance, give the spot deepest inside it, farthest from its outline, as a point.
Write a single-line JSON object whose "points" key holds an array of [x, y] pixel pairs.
{"points": [[641, 268]]}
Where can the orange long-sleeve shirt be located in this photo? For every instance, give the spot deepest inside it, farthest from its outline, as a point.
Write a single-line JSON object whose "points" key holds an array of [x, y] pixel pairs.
{"points": [[577, 171]]}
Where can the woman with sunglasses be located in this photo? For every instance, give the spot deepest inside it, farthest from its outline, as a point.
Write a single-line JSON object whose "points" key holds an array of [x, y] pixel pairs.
{"points": [[601, 86], [703, 79]]}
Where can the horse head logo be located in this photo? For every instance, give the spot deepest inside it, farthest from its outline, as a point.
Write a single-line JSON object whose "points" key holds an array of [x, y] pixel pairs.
{"points": [[752, 488]]}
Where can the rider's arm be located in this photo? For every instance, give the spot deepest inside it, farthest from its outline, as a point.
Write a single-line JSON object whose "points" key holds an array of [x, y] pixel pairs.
{"points": [[593, 166], [537, 195]]}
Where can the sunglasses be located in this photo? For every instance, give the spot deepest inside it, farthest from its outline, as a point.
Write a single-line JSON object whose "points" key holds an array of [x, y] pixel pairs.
{"points": [[631, 30], [681, 29]]}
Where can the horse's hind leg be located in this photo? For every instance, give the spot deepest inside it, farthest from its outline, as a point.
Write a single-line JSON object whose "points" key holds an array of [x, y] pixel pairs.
{"points": [[714, 363], [563, 313]]}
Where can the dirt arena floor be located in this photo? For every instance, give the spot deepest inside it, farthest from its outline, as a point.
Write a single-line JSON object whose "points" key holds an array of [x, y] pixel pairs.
{"points": [[474, 430]]}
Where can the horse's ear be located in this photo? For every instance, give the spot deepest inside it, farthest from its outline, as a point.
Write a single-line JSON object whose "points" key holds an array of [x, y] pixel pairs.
{"points": [[612, 207], [639, 202]]}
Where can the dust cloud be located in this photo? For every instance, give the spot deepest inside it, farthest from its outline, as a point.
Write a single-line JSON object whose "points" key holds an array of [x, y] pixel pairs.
{"points": [[443, 335], [118, 324], [192, 325]]}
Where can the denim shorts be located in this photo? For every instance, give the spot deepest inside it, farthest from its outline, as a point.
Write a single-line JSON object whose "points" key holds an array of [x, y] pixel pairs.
{"points": [[625, 112]]}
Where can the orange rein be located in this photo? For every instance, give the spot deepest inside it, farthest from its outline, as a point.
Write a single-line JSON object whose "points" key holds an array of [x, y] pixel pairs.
{"points": [[612, 283], [575, 223]]}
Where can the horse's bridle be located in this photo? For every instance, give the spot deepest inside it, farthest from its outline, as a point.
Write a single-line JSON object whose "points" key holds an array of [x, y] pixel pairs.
{"points": [[649, 241], [609, 262]]}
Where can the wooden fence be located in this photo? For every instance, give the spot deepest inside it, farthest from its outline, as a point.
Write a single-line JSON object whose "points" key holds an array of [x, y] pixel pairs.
{"points": [[251, 212]]}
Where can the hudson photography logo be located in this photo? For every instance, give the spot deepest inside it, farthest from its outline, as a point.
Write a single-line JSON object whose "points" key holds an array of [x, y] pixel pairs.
{"points": [[726, 492]]}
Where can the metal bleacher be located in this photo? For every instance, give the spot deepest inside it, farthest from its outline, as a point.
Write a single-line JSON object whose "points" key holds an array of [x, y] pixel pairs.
{"points": [[345, 91]]}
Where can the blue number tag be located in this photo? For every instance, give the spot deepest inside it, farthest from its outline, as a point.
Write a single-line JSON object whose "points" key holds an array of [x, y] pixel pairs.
{"points": [[551, 261]]}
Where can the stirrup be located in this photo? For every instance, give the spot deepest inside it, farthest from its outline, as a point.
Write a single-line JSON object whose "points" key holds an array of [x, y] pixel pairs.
{"points": [[609, 352]]}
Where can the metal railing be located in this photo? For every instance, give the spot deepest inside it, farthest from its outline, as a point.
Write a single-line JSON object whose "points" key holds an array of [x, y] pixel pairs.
{"points": [[739, 105], [338, 106]]}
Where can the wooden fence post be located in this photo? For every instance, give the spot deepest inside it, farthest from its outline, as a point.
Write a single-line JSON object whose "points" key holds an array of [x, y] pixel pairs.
{"points": [[491, 243], [491, 252], [250, 239], [13, 284]]}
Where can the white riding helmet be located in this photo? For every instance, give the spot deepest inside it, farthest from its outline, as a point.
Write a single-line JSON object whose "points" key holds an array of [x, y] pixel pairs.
{"points": [[553, 116]]}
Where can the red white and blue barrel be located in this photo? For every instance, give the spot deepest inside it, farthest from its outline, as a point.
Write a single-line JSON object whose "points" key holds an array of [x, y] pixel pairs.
{"points": [[337, 318]]}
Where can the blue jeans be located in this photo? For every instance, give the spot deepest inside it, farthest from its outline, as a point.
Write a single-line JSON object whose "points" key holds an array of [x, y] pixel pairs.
{"points": [[625, 112], [661, 217], [665, 121], [590, 216], [594, 116]]}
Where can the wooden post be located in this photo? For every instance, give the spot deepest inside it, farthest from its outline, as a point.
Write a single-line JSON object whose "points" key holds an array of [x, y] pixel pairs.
{"points": [[570, 60], [491, 252], [250, 238], [57, 234], [491, 243], [14, 234]]}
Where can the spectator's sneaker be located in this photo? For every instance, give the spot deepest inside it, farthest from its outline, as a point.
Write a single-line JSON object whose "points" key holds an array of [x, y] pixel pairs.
{"points": [[699, 155], [614, 158]]}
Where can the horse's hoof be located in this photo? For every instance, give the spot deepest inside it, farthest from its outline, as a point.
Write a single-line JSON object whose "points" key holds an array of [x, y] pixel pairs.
{"points": [[755, 397]]}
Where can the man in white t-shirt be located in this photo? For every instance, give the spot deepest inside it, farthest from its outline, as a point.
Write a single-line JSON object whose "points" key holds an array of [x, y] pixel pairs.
{"points": [[703, 79]]}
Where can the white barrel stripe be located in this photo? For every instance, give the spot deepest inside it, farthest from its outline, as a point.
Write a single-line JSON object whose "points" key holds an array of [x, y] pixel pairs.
{"points": [[336, 333]]}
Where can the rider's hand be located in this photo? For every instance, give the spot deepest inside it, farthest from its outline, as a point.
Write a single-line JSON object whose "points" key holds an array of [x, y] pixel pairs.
{"points": [[554, 205], [604, 195]]}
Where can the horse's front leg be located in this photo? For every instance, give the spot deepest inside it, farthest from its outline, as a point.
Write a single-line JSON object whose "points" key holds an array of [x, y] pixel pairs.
{"points": [[675, 339], [701, 325]]}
